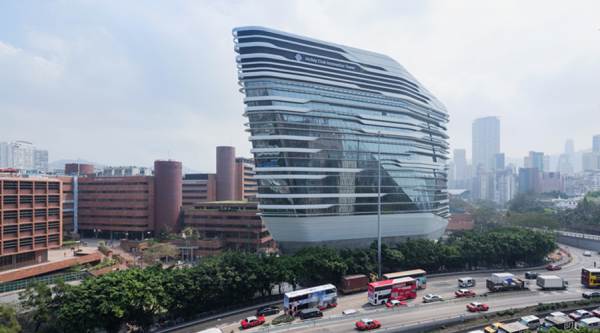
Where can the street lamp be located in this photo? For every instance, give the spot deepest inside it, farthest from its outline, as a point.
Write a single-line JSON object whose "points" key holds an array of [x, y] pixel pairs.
{"points": [[379, 204], [133, 249], [148, 234], [126, 235], [95, 235]]}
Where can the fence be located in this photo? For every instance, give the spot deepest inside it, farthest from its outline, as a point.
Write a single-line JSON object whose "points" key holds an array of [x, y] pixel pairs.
{"points": [[239, 306], [20, 285]]}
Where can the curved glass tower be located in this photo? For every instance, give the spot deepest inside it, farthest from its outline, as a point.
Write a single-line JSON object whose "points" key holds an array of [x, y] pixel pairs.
{"points": [[320, 115]]}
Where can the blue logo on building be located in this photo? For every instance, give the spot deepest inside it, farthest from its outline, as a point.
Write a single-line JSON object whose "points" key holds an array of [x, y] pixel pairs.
{"points": [[298, 57]]}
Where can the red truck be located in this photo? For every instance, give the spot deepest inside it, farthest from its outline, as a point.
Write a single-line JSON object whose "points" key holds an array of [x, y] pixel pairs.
{"points": [[353, 283]]}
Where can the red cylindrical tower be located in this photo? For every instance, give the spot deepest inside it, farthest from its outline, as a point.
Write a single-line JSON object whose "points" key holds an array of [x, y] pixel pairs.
{"points": [[225, 173], [83, 169], [167, 194]]}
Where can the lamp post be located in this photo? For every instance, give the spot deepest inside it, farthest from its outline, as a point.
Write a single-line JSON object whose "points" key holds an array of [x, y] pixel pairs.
{"points": [[148, 232], [95, 235], [187, 251], [379, 204], [133, 251], [126, 235]]}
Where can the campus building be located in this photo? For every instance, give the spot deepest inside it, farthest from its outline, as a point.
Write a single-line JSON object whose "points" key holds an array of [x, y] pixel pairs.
{"points": [[319, 113], [233, 181], [236, 224], [30, 220]]}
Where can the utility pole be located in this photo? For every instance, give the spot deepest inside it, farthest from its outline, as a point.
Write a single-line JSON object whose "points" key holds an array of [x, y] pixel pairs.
{"points": [[248, 237], [379, 205]]}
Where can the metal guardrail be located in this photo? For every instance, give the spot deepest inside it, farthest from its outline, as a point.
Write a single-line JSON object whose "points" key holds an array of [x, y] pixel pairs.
{"points": [[385, 311], [23, 284]]}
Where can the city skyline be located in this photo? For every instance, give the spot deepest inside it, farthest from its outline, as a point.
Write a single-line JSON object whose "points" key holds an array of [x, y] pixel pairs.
{"points": [[134, 82]]}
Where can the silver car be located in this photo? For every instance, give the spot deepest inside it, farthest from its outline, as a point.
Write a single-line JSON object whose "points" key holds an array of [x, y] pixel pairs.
{"points": [[432, 298]]}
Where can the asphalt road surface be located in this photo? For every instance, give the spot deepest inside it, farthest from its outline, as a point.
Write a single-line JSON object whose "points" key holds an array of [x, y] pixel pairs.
{"points": [[445, 286]]}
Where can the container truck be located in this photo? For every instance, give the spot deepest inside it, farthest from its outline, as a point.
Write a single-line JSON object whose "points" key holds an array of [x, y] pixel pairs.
{"points": [[549, 282], [513, 328], [505, 282], [354, 283]]}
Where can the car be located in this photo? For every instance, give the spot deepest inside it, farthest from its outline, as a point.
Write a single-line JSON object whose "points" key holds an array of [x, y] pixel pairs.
{"points": [[252, 321], [367, 324], [269, 310], [596, 312], [587, 253], [476, 306], [590, 294], [532, 275], [432, 298], [395, 304], [555, 314], [580, 314], [349, 312], [464, 293], [493, 328], [553, 267]]}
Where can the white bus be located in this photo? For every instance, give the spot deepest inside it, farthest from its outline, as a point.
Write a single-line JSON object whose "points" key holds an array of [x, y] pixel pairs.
{"points": [[321, 297]]}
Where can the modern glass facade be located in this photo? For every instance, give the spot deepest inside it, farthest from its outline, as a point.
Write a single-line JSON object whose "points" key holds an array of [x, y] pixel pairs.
{"points": [[320, 115]]}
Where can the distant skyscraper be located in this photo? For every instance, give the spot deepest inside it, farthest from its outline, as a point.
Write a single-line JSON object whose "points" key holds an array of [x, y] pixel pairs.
{"points": [[40, 160], [498, 162], [591, 161], [17, 154], [460, 163], [596, 143], [529, 179], [486, 141], [546, 163], [535, 160]]}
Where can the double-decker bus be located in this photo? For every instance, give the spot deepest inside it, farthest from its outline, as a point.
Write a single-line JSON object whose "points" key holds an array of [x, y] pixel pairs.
{"points": [[590, 277], [417, 274], [398, 289], [322, 297]]}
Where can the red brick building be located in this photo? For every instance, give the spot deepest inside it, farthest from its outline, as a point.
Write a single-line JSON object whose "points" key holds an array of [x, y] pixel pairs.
{"points": [[30, 220], [460, 222], [236, 223], [110, 207]]}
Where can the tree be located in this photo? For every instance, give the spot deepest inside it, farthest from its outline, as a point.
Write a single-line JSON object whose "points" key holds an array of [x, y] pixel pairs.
{"points": [[191, 233], [164, 232], [41, 302], [161, 250], [8, 322]]}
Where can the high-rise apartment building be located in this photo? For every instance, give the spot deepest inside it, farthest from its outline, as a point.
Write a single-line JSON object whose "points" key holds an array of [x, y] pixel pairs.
{"points": [[550, 182], [486, 141], [596, 143], [529, 180], [319, 114], [498, 162], [534, 160], [24, 156], [591, 161], [460, 163]]}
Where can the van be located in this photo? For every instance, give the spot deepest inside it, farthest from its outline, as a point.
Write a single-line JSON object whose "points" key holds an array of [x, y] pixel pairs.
{"points": [[590, 323], [310, 313], [466, 282], [532, 322]]}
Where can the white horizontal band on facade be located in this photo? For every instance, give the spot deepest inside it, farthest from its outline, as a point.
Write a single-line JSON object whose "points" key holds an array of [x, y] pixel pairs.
{"points": [[260, 206], [322, 195], [276, 98], [283, 137], [395, 134], [276, 108], [285, 150], [433, 164], [266, 169], [390, 119], [383, 124], [290, 176]]}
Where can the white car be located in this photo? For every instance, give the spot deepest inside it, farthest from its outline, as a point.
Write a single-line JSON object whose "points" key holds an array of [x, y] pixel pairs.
{"points": [[555, 314], [587, 253], [432, 298]]}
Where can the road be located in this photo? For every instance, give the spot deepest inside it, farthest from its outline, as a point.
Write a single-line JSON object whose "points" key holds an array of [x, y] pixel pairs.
{"points": [[334, 321]]}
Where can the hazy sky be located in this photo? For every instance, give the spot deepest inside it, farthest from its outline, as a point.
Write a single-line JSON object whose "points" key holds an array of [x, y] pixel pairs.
{"points": [[128, 82]]}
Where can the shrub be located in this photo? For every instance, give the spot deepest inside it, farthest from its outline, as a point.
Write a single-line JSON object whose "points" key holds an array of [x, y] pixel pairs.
{"points": [[101, 243], [105, 263], [69, 243]]}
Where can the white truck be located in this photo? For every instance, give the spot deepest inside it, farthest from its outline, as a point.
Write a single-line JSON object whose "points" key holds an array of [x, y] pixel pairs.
{"points": [[549, 282]]}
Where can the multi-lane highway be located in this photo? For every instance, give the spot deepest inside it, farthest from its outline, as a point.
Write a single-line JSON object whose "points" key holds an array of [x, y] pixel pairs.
{"points": [[416, 312]]}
